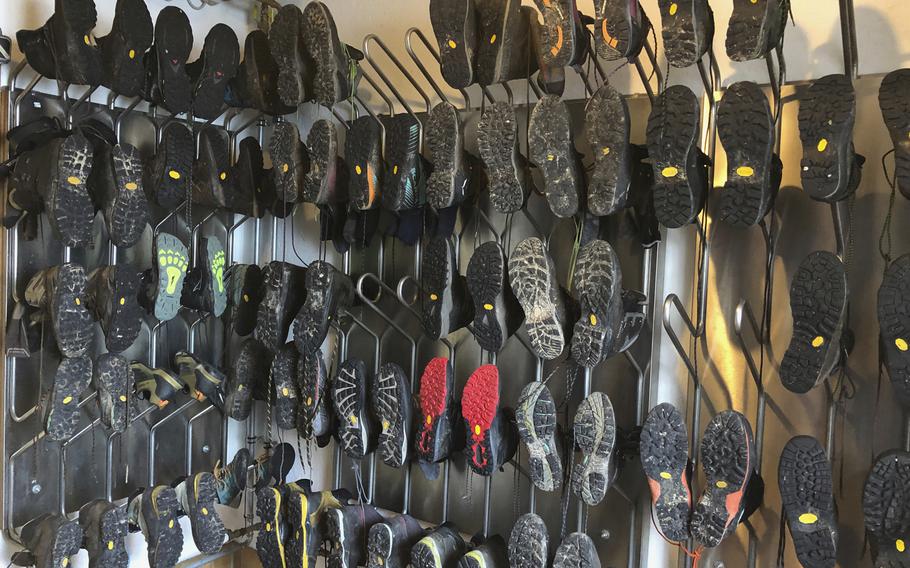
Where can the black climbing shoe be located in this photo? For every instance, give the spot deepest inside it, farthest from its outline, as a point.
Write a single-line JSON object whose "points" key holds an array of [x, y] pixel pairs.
{"points": [[444, 298], [607, 121], [104, 530], [256, 83], [336, 72], [61, 415], [819, 303], [392, 407], [490, 431], [886, 508], [346, 530], [894, 100], [329, 292], [154, 512], [164, 283], [595, 435], [247, 175], [436, 411], [196, 497], [64, 48], [577, 549], [60, 295], [350, 394], [389, 543], [288, 47], [205, 381], [621, 29], [169, 176], [321, 181], [283, 377], [112, 378], [123, 49], [447, 184], [688, 30], [113, 300], [50, 542], [529, 542], [210, 74], [442, 548], [167, 83], [532, 276], [212, 181], [455, 26], [315, 419], [363, 152], [284, 288], [536, 418], [496, 310], [249, 368], [552, 150], [894, 326], [157, 386], [205, 287], [244, 290], [598, 288], [665, 460], [497, 142], [115, 185], [755, 28], [289, 162]]}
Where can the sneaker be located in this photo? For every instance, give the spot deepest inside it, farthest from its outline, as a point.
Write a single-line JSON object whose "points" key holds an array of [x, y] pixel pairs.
{"points": [[552, 150], [273, 529], [598, 287], [62, 414], [336, 72], [111, 378], [230, 481], [403, 177], [115, 185], [830, 169], [123, 49], [447, 184], [728, 459], [389, 543], [113, 299], [894, 328], [244, 282], [104, 532], [807, 496], [212, 184], [211, 72], [251, 363], [490, 431], [64, 48], [205, 381], [363, 152], [532, 276], [621, 29], [688, 30], [347, 530], [756, 28], [247, 173], [665, 460], [284, 292], [503, 46], [444, 298], [256, 83], [196, 496], [167, 82], [322, 183], [436, 403], [167, 276], [886, 508], [157, 386], [391, 400], [50, 541], [561, 35], [289, 161], [497, 142], [169, 176], [577, 549], [892, 98], [329, 292], [314, 419], [59, 294], [204, 289], [496, 311], [819, 302], [680, 173], [154, 512], [747, 132], [283, 375], [355, 423], [443, 547], [607, 122], [536, 418], [529, 542], [64, 189], [288, 47], [595, 435], [455, 26]]}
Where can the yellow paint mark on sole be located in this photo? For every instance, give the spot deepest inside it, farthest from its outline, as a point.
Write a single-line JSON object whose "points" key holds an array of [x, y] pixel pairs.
{"points": [[669, 172], [808, 519]]}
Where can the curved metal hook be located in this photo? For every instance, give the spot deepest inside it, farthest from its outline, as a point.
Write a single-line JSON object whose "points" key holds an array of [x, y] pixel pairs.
{"points": [[670, 302], [407, 74]]}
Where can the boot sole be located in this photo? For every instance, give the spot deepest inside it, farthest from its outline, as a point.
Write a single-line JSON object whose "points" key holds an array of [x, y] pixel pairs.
{"points": [[66, 543], [818, 302], [454, 24], [553, 151], [390, 393], [285, 41], [113, 527], [246, 300], [215, 266], [496, 20], [747, 31], [285, 150], [558, 31], [401, 178], [536, 417], [727, 460], [113, 375], [270, 316], [884, 501], [72, 378], [486, 283], [175, 181], [311, 325], [826, 118], [172, 265], [433, 400], [532, 278], [607, 120], [322, 147], [173, 43], [595, 435], [426, 554], [208, 529], [130, 211], [321, 38], [679, 21], [269, 546], [808, 500], [169, 540], [126, 317], [72, 323], [528, 543], [894, 100], [437, 269], [362, 151], [664, 458], [612, 30], [238, 401], [247, 174], [479, 405], [673, 146], [379, 547], [350, 402], [311, 382], [71, 210], [497, 133], [125, 72], [894, 325], [299, 531], [598, 284], [576, 551], [222, 56], [83, 59], [283, 376], [445, 142]]}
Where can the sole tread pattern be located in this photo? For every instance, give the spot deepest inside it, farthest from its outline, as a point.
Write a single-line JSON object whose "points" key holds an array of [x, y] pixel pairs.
{"points": [[528, 542], [284, 378], [607, 122], [665, 458], [497, 141], [826, 117], [72, 378], [444, 140], [553, 151], [536, 417], [595, 435], [391, 397], [894, 100], [894, 325], [598, 285], [486, 278], [71, 210], [533, 280], [70, 318]]}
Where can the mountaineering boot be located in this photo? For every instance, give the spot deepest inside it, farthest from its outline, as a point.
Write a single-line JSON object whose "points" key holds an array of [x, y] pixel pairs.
{"points": [[455, 26], [496, 311], [112, 379], [608, 123], [621, 29], [315, 418], [256, 83], [63, 188], [113, 299], [595, 435], [288, 47], [536, 418], [688, 30], [123, 49], [169, 175], [196, 498], [529, 542], [445, 302], [552, 150], [273, 529], [210, 74], [894, 328], [577, 549], [356, 430], [244, 292], [284, 288], [64, 48], [346, 530], [154, 512], [336, 71], [598, 288], [363, 152], [167, 83], [443, 547], [497, 142], [886, 508], [392, 407], [61, 415], [230, 481], [323, 182], [50, 541], [283, 378], [212, 181], [756, 28], [389, 543], [490, 553], [665, 460], [59, 294], [490, 431], [249, 369], [289, 162], [104, 530], [894, 101], [532, 276], [329, 292], [247, 175], [447, 184], [305, 515]]}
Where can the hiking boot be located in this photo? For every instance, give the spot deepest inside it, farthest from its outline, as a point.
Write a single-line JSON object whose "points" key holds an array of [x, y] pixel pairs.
{"points": [[321, 183], [529, 542], [620, 29], [688, 30], [576, 550], [273, 466], [273, 529], [607, 122], [747, 132], [25, 203], [248, 368], [598, 287], [830, 168], [536, 418], [445, 302], [256, 83], [807, 496], [504, 44], [497, 142], [442, 548], [288, 47], [157, 386], [728, 459], [244, 292], [167, 82], [154, 512], [680, 172], [212, 183], [247, 175], [496, 311], [305, 514], [392, 407], [111, 378], [61, 416], [363, 152], [210, 74], [196, 496], [113, 299], [436, 403], [447, 184], [355, 421], [561, 35], [491, 553], [123, 49], [336, 72], [552, 150], [347, 530], [642, 214], [64, 48], [284, 288], [819, 302], [389, 543], [886, 508], [164, 282], [169, 176], [283, 375], [204, 289], [894, 327], [895, 105], [595, 435], [50, 541], [104, 532], [289, 161], [205, 381], [404, 176], [665, 460], [230, 481], [329, 292], [755, 28], [63, 187], [315, 418], [59, 294], [490, 431], [532, 276], [455, 26]]}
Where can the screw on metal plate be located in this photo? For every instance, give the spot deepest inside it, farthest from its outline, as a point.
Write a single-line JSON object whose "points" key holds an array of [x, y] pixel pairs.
{"points": [[36, 487], [206, 449], [605, 534]]}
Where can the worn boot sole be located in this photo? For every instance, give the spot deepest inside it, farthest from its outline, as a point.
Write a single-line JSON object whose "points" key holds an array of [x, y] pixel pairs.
{"points": [[321, 38], [438, 269], [433, 402], [607, 120], [113, 531], [497, 21], [664, 458], [174, 182], [350, 401], [533, 280], [401, 178], [487, 283], [497, 133], [79, 60], [322, 147], [885, 506], [311, 383], [558, 31], [390, 393], [595, 435], [66, 543], [894, 100], [528, 543], [165, 548], [682, 22], [113, 376], [576, 551], [445, 142], [613, 23], [287, 48], [536, 417], [894, 325], [172, 264], [238, 401], [325, 286], [284, 148], [826, 118], [124, 71], [72, 323], [479, 405], [245, 298], [749, 29], [380, 545], [70, 208], [72, 378], [598, 284], [284, 377], [130, 210], [126, 316], [553, 151], [208, 530], [362, 151], [269, 544], [455, 26], [173, 43], [222, 56]]}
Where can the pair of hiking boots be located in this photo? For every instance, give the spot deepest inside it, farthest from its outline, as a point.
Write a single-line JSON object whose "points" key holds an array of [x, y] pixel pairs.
{"points": [[529, 546], [733, 486]]}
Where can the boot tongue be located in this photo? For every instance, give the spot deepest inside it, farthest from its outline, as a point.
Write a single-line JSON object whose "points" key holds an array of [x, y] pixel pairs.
{"points": [[182, 496]]}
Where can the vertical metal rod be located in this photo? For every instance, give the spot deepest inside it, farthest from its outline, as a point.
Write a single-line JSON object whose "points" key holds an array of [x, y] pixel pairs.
{"points": [[487, 502], [830, 423]]}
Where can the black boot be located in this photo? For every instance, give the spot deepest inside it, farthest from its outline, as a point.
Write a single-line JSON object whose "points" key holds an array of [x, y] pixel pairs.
{"points": [[123, 49], [50, 542], [210, 74], [113, 300], [104, 531], [167, 83], [64, 48]]}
